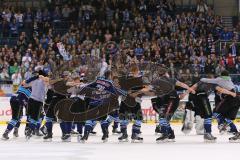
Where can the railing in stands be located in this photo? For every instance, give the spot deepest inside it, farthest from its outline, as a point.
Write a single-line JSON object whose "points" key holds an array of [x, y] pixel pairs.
{"points": [[24, 3]]}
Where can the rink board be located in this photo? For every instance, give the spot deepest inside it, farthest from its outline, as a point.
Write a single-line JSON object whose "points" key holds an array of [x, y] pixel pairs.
{"points": [[148, 113]]}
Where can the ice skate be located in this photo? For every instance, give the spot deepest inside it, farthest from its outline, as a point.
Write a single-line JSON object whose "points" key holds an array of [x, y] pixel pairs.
{"points": [[235, 139], [48, 137], [222, 128], [84, 138], [66, 138], [136, 139], [5, 135], [43, 129], [26, 130], [158, 130], [124, 137], [29, 134], [93, 133], [171, 136], [37, 133], [163, 138], [15, 133], [79, 138], [209, 138], [104, 138], [115, 131], [74, 133], [105, 135]]}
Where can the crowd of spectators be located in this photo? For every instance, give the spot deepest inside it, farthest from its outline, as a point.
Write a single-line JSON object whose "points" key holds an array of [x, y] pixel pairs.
{"points": [[185, 41]]}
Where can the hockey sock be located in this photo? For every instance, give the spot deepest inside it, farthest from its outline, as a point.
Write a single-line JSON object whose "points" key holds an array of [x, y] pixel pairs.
{"points": [[49, 124], [88, 126], [27, 122], [32, 124], [12, 124], [136, 127], [79, 127], [123, 125], [94, 123], [104, 125], [18, 124], [110, 119], [232, 126], [74, 125], [208, 125], [115, 124], [63, 127], [39, 123], [219, 118], [68, 126], [165, 126]]}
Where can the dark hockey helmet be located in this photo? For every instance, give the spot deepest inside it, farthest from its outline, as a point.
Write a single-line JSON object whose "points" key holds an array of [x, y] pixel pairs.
{"points": [[43, 73], [224, 73]]}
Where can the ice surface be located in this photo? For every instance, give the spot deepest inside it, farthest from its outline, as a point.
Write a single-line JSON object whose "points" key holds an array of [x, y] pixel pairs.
{"points": [[186, 147]]}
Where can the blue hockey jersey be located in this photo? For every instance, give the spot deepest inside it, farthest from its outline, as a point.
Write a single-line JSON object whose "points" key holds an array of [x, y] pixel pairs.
{"points": [[103, 87]]}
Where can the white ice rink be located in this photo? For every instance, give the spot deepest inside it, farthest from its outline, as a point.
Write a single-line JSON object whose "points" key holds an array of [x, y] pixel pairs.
{"points": [[190, 147]]}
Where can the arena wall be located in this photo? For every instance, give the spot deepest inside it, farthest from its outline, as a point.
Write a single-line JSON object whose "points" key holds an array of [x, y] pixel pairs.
{"points": [[148, 112]]}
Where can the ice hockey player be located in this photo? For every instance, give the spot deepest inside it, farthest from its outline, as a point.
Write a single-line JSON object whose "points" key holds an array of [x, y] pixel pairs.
{"points": [[226, 106], [79, 103], [201, 101], [128, 113], [53, 97], [236, 137], [35, 102], [104, 84], [17, 102], [168, 106]]}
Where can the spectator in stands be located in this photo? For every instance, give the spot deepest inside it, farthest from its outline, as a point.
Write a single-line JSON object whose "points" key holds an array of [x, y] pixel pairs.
{"points": [[4, 75], [14, 28], [19, 18], [47, 68], [26, 60], [13, 69], [224, 50], [39, 66], [202, 6], [28, 18], [66, 12], [5, 28], [237, 62], [7, 14], [233, 49], [56, 16], [39, 16], [230, 63], [28, 74], [209, 67], [219, 69], [46, 17], [44, 41], [17, 78], [226, 35]]}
